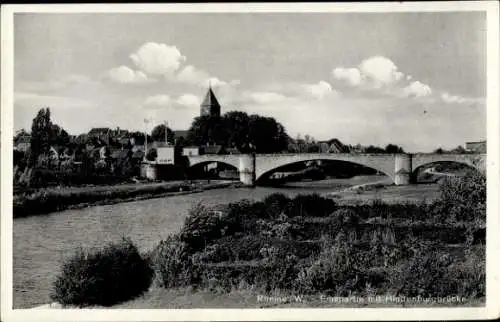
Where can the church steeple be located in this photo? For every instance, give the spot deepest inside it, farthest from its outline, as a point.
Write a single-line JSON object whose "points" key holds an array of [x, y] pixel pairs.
{"points": [[210, 105]]}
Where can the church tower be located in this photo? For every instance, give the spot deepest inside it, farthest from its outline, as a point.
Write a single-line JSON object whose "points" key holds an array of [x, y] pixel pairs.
{"points": [[210, 105]]}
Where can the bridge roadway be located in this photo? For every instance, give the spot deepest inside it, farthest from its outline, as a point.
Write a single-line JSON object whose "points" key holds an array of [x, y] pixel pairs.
{"points": [[399, 167]]}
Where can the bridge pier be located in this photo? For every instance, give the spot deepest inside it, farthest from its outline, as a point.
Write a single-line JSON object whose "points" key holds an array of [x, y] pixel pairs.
{"points": [[247, 169], [403, 169]]}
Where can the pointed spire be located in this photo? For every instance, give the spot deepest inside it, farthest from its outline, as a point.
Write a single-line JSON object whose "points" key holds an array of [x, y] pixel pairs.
{"points": [[210, 105]]}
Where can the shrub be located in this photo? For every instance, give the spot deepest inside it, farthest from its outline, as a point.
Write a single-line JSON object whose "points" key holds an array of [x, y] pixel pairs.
{"points": [[425, 274], [202, 226], [462, 198], [105, 277], [312, 205], [172, 264], [344, 218], [336, 271], [276, 203]]}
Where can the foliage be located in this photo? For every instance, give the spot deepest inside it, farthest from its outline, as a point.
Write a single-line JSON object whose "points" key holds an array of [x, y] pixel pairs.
{"points": [[462, 198], [392, 148], [312, 205], [248, 133], [152, 154], [172, 263], [105, 277], [337, 270], [41, 129], [202, 226], [158, 133]]}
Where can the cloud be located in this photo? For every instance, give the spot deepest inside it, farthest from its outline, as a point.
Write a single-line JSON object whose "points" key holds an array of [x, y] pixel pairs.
{"points": [[192, 75], [35, 101], [379, 71], [374, 72], [319, 90], [417, 89], [157, 59], [214, 82], [450, 99], [157, 101], [265, 97], [351, 75], [188, 100], [125, 75]]}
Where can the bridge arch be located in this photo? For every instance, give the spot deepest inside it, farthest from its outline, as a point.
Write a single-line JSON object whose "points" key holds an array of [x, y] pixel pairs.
{"points": [[431, 172], [232, 160], [266, 164], [475, 161]]}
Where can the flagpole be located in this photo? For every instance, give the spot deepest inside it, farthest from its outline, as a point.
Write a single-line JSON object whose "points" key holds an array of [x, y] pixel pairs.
{"points": [[145, 139], [166, 130]]}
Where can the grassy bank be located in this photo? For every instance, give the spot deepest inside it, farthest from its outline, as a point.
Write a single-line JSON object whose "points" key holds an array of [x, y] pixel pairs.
{"points": [[310, 245], [49, 200]]}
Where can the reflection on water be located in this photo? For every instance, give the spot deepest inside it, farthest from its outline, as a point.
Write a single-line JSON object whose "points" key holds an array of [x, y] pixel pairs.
{"points": [[41, 242]]}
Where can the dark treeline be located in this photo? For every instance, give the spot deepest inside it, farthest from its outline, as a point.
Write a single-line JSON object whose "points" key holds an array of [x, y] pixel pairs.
{"points": [[105, 155]]}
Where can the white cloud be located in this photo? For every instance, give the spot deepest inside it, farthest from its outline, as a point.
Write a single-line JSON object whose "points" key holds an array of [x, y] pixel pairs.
{"points": [[417, 89], [376, 72], [191, 75], [266, 97], [157, 59], [319, 90], [351, 75], [379, 71], [35, 101], [125, 75], [188, 100], [214, 82], [157, 101], [455, 99]]}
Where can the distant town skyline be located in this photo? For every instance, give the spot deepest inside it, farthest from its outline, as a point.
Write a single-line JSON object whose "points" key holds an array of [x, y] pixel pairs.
{"points": [[417, 80]]}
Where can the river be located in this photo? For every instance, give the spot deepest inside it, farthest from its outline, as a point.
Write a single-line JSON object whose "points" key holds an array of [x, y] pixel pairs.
{"points": [[40, 243]]}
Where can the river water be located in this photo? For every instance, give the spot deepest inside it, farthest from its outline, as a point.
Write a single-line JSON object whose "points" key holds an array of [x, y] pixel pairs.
{"points": [[40, 243]]}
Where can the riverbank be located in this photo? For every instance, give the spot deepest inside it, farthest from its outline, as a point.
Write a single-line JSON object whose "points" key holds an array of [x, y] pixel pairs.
{"points": [[62, 198]]}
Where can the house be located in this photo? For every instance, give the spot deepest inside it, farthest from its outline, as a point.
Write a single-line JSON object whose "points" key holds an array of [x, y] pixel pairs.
{"points": [[138, 155], [476, 147], [165, 154], [333, 146], [22, 143], [212, 149], [232, 150], [191, 151]]}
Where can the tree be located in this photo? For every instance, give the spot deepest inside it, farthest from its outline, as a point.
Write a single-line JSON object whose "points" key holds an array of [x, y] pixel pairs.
{"points": [[152, 154], [41, 134], [207, 129], [439, 151], [267, 135], [237, 125], [158, 133], [392, 148], [58, 136]]}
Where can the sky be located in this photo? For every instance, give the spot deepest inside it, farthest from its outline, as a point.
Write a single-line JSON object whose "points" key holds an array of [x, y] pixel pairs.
{"points": [[413, 79]]}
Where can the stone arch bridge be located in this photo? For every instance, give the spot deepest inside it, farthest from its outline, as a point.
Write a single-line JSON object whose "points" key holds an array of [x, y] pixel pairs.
{"points": [[399, 167]]}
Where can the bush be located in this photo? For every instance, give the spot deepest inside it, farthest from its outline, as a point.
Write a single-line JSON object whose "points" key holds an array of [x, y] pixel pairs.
{"points": [[344, 218], [276, 203], [105, 277], [462, 199], [172, 264], [425, 274], [312, 205], [339, 270], [202, 226]]}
